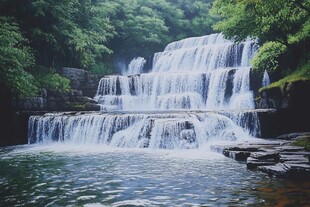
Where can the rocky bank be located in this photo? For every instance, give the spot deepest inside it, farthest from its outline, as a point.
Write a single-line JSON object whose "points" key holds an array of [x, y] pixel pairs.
{"points": [[277, 157]]}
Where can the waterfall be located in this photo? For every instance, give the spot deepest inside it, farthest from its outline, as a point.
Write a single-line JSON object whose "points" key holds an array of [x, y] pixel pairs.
{"points": [[171, 130], [193, 73], [197, 91], [266, 79], [135, 66]]}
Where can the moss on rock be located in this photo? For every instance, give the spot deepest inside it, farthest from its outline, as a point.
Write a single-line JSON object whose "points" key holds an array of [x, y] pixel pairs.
{"points": [[302, 141]]}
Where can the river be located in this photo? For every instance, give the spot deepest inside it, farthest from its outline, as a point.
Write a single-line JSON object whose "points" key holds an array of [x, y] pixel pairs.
{"points": [[92, 175]]}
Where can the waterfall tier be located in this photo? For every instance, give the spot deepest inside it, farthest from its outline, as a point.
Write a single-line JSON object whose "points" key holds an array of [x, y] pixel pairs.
{"points": [[226, 88], [202, 73], [135, 66], [188, 79], [168, 130]]}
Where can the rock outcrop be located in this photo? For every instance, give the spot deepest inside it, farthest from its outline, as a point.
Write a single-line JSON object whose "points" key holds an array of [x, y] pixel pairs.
{"points": [[292, 112], [291, 95], [82, 80], [79, 98], [275, 157]]}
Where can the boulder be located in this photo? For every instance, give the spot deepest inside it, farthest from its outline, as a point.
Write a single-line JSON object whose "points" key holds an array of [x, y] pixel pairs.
{"points": [[237, 155]]}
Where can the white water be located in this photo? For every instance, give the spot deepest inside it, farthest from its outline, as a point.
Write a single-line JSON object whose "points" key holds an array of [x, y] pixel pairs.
{"points": [[170, 130], [135, 66], [197, 92], [193, 73], [266, 79]]}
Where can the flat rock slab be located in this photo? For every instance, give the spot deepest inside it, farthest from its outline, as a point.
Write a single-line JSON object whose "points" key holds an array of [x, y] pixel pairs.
{"points": [[274, 158], [253, 163], [296, 153], [266, 155], [304, 167], [285, 158], [279, 170], [293, 135], [249, 148], [289, 148]]}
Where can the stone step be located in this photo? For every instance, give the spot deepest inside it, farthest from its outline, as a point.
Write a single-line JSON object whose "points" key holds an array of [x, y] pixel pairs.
{"points": [[253, 163], [289, 148], [279, 169], [274, 155]]}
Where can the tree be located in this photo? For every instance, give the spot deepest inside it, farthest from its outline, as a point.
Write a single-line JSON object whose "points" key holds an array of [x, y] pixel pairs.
{"points": [[277, 20], [15, 59], [67, 32], [284, 25]]}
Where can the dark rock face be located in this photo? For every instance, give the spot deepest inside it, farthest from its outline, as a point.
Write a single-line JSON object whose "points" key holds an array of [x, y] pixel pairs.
{"points": [[292, 109], [83, 84], [16, 112], [283, 121], [57, 101], [17, 128], [292, 95], [82, 80], [73, 101]]}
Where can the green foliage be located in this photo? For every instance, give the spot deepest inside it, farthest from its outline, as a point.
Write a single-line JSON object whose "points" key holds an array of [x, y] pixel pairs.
{"points": [[15, 59], [102, 69], [277, 20], [146, 26], [53, 81], [267, 57], [83, 33], [282, 27], [63, 33]]}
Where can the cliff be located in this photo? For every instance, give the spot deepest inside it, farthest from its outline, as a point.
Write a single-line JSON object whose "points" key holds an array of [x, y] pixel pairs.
{"points": [[293, 108]]}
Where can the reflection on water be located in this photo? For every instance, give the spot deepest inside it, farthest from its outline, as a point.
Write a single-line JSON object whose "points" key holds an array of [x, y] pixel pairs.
{"points": [[56, 176]]}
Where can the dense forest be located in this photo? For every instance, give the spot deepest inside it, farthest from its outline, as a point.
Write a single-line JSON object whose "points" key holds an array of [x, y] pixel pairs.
{"points": [[38, 37]]}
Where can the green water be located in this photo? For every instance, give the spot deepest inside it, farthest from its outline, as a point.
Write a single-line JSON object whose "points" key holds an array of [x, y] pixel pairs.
{"points": [[87, 176]]}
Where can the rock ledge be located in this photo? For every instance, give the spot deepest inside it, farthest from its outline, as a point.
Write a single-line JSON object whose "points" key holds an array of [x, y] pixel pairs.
{"points": [[274, 157]]}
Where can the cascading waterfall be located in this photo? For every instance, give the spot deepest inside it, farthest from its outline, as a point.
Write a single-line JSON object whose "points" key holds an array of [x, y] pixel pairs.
{"points": [[198, 90], [193, 73], [135, 66], [266, 79], [170, 130]]}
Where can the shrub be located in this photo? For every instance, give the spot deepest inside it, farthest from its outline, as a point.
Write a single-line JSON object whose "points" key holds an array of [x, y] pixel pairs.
{"points": [[268, 55], [54, 81]]}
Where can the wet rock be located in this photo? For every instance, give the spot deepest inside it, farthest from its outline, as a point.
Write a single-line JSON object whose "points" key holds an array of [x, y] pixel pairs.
{"points": [[296, 153], [276, 158], [299, 169], [293, 135], [253, 163], [279, 170], [289, 148], [237, 155], [298, 159], [249, 148], [273, 155], [92, 107]]}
